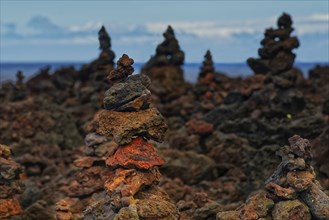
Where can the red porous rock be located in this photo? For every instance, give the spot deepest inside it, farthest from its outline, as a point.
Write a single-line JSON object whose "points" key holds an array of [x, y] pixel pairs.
{"points": [[195, 126], [138, 153], [124, 126]]}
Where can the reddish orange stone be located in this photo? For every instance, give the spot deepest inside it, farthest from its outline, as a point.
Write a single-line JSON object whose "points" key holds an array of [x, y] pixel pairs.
{"points": [[9, 207], [138, 154], [195, 126], [208, 95]]}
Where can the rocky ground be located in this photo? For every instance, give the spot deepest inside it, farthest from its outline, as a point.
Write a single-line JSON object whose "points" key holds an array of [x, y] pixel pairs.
{"points": [[104, 143]]}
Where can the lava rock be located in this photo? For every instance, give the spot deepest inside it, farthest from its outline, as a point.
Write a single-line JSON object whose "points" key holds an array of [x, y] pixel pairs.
{"points": [[124, 126], [137, 154]]}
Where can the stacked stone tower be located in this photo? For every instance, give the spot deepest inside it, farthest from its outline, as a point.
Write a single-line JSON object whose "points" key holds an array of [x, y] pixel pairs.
{"points": [[107, 55], [207, 71], [19, 91], [164, 68], [120, 173], [292, 192], [276, 54]]}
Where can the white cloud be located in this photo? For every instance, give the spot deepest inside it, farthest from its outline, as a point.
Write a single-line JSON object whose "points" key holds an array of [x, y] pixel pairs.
{"points": [[209, 29], [44, 25], [131, 40], [315, 17], [89, 26], [86, 40], [312, 24], [150, 33]]}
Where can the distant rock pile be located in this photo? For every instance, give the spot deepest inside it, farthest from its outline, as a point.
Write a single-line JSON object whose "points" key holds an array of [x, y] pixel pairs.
{"points": [[20, 90], [212, 86], [99, 68], [107, 55], [120, 172], [268, 102], [292, 192], [168, 52], [164, 68], [206, 75], [276, 53], [10, 184], [265, 104]]}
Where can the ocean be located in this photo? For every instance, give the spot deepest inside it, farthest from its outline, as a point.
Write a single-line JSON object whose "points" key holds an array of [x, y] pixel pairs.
{"points": [[191, 70]]}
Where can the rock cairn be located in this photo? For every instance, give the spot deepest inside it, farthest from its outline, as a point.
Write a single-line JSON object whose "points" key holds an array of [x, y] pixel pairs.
{"points": [[107, 55], [10, 184], [120, 172], [168, 52], [98, 69], [206, 75], [276, 55], [20, 90], [292, 192], [164, 68], [207, 88]]}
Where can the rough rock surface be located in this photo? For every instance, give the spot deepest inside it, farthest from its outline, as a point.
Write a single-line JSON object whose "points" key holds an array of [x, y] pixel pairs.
{"points": [[147, 123], [189, 166], [119, 181], [292, 209], [137, 154], [10, 184], [292, 190], [320, 151]]}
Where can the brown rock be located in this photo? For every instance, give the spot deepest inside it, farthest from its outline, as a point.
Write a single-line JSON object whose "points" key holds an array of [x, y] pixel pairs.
{"points": [[300, 180], [123, 70], [89, 181], [286, 193], [85, 162], [10, 184], [189, 166], [260, 203], [9, 207], [320, 151], [155, 204], [291, 210], [62, 211], [317, 201], [130, 181], [195, 126], [124, 126], [129, 212], [228, 215], [138, 153], [248, 213], [4, 151], [257, 206]]}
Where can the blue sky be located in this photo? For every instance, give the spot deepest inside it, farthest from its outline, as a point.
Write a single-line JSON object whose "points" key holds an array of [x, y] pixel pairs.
{"points": [[67, 30]]}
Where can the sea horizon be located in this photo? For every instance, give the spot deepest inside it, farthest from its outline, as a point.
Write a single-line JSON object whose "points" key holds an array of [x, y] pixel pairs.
{"points": [[9, 69]]}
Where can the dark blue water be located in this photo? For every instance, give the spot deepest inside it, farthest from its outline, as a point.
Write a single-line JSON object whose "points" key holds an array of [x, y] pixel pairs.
{"points": [[8, 70]]}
